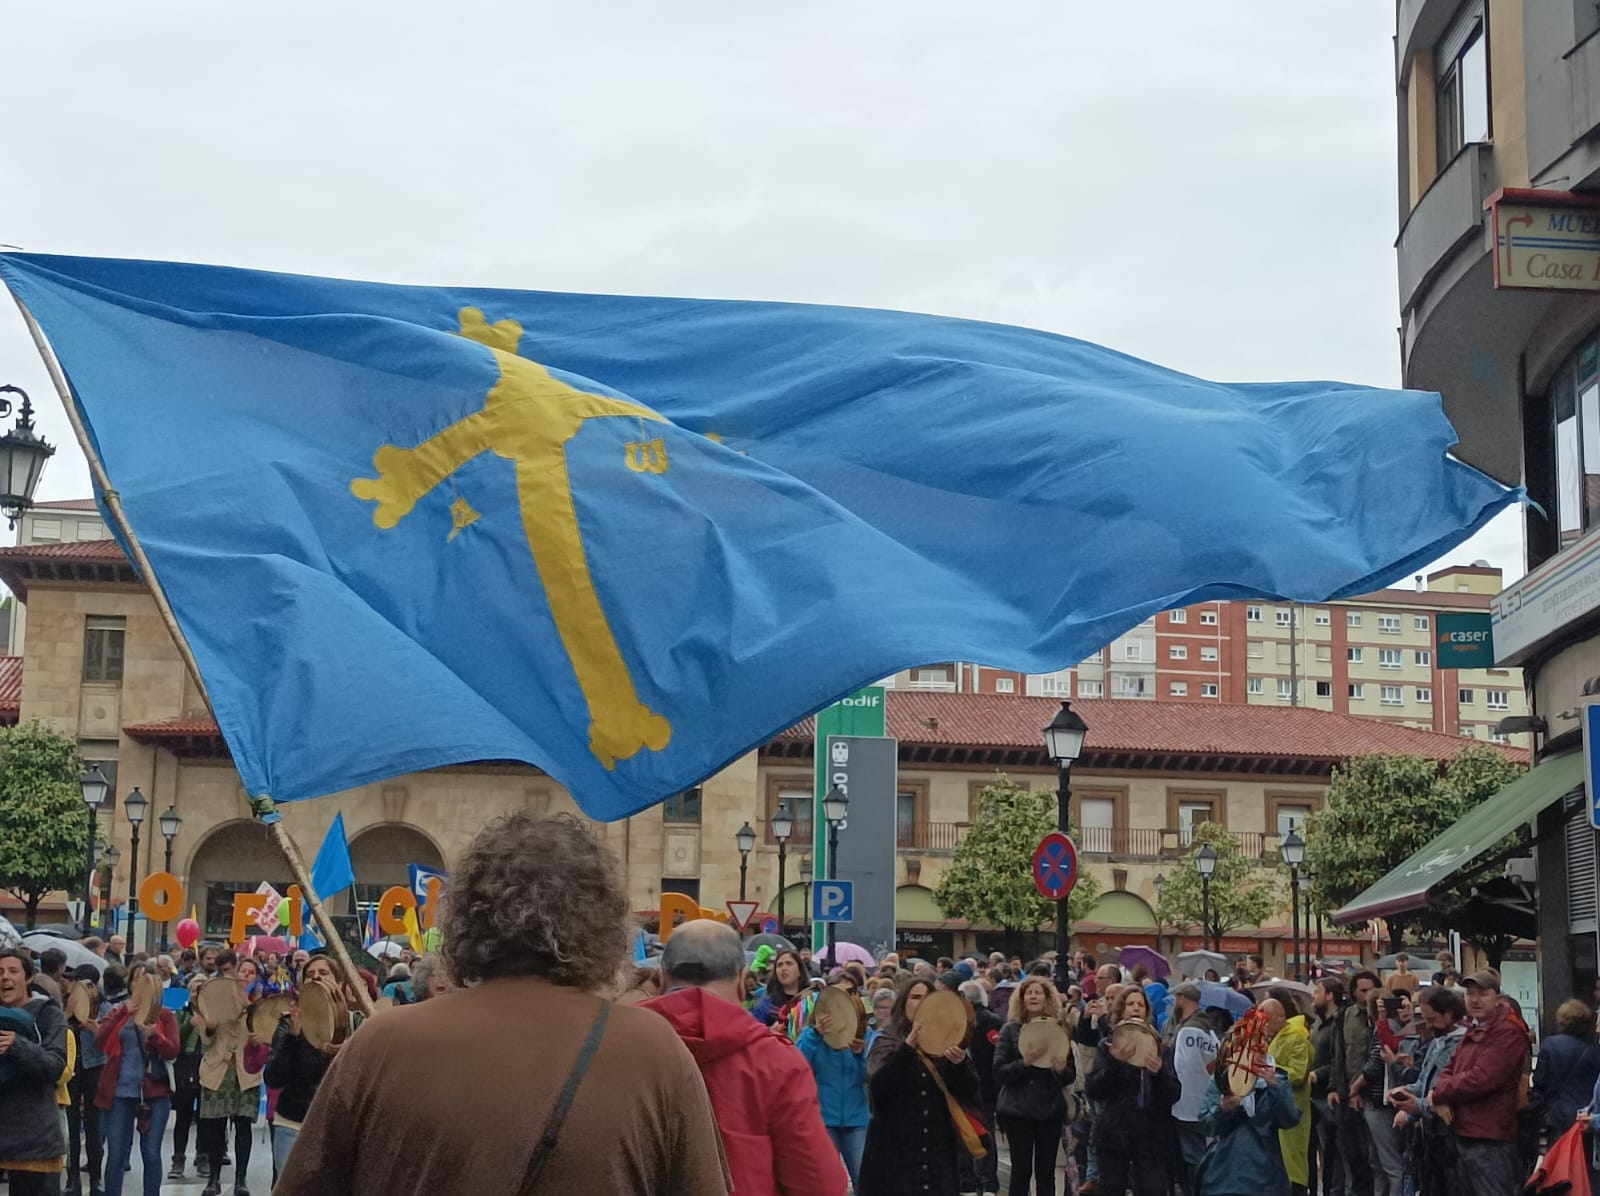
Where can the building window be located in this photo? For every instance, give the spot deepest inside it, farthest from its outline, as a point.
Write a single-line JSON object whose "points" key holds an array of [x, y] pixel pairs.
{"points": [[1466, 697], [1178, 616], [1292, 818], [1005, 685], [91, 529], [45, 531], [1353, 655], [1321, 618], [1190, 815], [1324, 653], [1095, 657], [1208, 653], [1208, 617], [1091, 689], [1352, 618], [1575, 404], [1467, 733], [1497, 699], [682, 807], [1284, 617], [1130, 687], [1390, 658], [1178, 652], [1208, 689], [1253, 648], [1425, 659], [1324, 689], [1419, 622], [102, 648], [1358, 693], [1130, 651], [1389, 695], [1254, 685], [1389, 624], [1286, 689], [1425, 695], [1496, 737], [1179, 689], [1461, 65], [1252, 614], [677, 884]]}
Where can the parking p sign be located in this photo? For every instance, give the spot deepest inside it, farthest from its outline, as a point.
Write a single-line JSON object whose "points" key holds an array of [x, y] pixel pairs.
{"points": [[833, 901]]}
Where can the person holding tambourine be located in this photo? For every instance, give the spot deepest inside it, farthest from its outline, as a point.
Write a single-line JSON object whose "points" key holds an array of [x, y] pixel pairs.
{"points": [[1136, 1086], [1032, 1068]]}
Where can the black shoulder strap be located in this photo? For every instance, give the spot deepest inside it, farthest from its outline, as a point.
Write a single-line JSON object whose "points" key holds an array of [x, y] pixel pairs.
{"points": [[552, 1129]]}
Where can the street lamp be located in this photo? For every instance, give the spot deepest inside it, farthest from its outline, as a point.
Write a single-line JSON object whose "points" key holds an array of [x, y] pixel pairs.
{"points": [[170, 822], [108, 865], [1063, 743], [805, 898], [835, 808], [1161, 881], [22, 458], [782, 828], [136, 806], [746, 838], [1205, 863], [95, 787], [1294, 854]]}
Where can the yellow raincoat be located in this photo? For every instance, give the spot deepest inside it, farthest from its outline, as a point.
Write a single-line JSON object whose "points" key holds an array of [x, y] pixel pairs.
{"points": [[1291, 1050]]}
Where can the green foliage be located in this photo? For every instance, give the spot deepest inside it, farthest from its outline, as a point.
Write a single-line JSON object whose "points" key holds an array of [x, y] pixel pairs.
{"points": [[991, 879], [1243, 892], [1381, 810], [45, 843]]}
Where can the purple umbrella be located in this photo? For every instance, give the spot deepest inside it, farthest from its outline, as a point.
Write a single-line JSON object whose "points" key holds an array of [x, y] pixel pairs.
{"points": [[849, 953], [1155, 962]]}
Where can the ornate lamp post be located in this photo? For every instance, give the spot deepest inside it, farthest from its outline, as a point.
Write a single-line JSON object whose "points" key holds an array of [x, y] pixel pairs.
{"points": [[1160, 882], [746, 838], [108, 865], [22, 458], [1063, 743], [782, 828], [805, 883], [136, 806], [171, 821], [1205, 863], [95, 787], [1294, 854], [835, 808]]}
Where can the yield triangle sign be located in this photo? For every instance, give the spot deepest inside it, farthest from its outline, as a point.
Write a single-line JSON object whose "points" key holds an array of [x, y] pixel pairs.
{"points": [[742, 912]]}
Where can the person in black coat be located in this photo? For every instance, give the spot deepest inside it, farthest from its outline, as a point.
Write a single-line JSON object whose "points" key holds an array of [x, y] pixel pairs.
{"points": [[1569, 1065], [912, 1146], [983, 1175], [1032, 1104], [1133, 1130]]}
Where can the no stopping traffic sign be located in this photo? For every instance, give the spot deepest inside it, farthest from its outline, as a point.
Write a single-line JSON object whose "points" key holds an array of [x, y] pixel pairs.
{"points": [[1055, 866]]}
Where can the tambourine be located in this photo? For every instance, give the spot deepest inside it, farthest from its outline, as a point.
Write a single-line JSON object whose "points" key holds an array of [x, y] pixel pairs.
{"points": [[943, 1020], [144, 999], [219, 1000], [1046, 1034], [265, 1015], [847, 1016], [1242, 1058], [324, 1016], [1141, 1037], [78, 1001]]}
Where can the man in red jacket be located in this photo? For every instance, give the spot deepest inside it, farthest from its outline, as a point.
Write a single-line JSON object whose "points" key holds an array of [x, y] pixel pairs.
{"points": [[1478, 1091], [762, 1089]]}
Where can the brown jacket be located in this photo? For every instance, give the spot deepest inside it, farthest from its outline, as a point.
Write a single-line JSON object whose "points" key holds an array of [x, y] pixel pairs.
{"points": [[451, 1095]]}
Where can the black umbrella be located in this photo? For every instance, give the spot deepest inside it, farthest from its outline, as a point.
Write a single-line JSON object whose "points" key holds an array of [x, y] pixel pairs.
{"points": [[59, 930], [776, 941]]}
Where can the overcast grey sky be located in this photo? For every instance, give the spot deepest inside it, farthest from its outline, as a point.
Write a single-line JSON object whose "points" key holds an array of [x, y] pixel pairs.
{"points": [[1207, 186]]}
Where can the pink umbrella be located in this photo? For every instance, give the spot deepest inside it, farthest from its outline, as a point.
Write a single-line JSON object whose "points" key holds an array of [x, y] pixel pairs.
{"points": [[849, 953]]}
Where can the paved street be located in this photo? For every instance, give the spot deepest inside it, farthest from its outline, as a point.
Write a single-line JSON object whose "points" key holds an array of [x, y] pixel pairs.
{"points": [[259, 1179]]}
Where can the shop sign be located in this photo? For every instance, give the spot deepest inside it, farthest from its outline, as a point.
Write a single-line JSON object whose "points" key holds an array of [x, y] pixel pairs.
{"points": [[1464, 641], [1558, 592], [1545, 240]]}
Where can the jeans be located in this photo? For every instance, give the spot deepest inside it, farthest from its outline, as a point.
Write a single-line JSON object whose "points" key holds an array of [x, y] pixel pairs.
{"points": [[848, 1140], [1388, 1166], [1034, 1145], [1486, 1167], [283, 1137], [119, 1143]]}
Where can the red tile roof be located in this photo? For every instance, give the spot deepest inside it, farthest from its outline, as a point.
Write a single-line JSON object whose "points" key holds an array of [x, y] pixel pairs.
{"points": [[197, 724], [10, 688], [1117, 726], [68, 550], [67, 504]]}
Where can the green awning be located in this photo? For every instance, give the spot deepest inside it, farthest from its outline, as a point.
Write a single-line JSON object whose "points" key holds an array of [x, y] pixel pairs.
{"points": [[1408, 886], [1124, 911], [915, 903]]}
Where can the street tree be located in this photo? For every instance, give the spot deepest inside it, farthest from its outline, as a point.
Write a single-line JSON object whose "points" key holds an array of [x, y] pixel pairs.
{"points": [[1243, 892], [991, 877], [45, 840], [1383, 809]]}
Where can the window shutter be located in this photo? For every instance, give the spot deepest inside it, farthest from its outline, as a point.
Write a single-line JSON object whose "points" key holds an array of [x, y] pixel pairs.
{"points": [[1456, 37], [1580, 866]]}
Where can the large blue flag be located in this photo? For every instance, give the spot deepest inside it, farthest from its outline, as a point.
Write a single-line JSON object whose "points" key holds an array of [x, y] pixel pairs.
{"points": [[628, 539]]}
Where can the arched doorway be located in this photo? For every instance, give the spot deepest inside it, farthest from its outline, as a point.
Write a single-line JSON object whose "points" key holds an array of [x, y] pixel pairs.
{"points": [[382, 856], [234, 858]]}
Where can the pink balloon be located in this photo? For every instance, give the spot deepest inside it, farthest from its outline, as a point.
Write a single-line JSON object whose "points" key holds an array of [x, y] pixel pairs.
{"points": [[187, 932]]}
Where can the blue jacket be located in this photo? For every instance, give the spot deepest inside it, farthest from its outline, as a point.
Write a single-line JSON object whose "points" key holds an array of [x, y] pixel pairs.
{"points": [[1246, 1158], [1565, 1079], [841, 1081]]}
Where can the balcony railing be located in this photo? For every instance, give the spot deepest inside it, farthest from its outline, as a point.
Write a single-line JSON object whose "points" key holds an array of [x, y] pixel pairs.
{"points": [[930, 836], [800, 837], [1448, 213], [1140, 841]]}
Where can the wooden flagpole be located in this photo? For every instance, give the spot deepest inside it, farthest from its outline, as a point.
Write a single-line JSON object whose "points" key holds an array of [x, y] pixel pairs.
{"points": [[263, 807]]}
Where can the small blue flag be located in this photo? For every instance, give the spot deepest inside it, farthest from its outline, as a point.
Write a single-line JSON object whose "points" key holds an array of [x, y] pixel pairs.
{"points": [[626, 540], [332, 872], [641, 948]]}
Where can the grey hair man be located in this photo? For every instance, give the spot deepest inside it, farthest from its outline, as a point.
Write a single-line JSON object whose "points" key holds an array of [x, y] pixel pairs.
{"points": [[762, 1089]]}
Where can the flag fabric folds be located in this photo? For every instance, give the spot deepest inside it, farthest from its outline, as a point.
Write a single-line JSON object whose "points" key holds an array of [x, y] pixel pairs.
{"points": [[332, 872], [628, 539]]}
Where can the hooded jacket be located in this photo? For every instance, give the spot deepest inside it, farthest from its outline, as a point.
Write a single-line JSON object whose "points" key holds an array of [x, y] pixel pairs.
{"points": [[1291, 1050], [763, 1094], [1480, 1083]]}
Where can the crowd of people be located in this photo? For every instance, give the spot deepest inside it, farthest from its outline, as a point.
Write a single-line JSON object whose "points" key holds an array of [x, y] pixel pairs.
{"points": [[536, 1056]]}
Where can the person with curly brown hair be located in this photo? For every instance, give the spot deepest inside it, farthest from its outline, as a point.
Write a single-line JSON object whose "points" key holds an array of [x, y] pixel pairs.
{"points": [[523, 1079]]}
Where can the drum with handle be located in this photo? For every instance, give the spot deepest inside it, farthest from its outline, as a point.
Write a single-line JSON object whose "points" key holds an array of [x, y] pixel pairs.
{"points": [[846, 1016], [324, 1016], [1139, 1038], [943, 1021], [1047, 1035], [144, 998], [219, 1000]]}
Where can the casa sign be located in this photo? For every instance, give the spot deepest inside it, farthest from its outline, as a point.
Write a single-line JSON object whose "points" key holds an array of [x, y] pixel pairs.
{"points": [[1545, 240]]}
